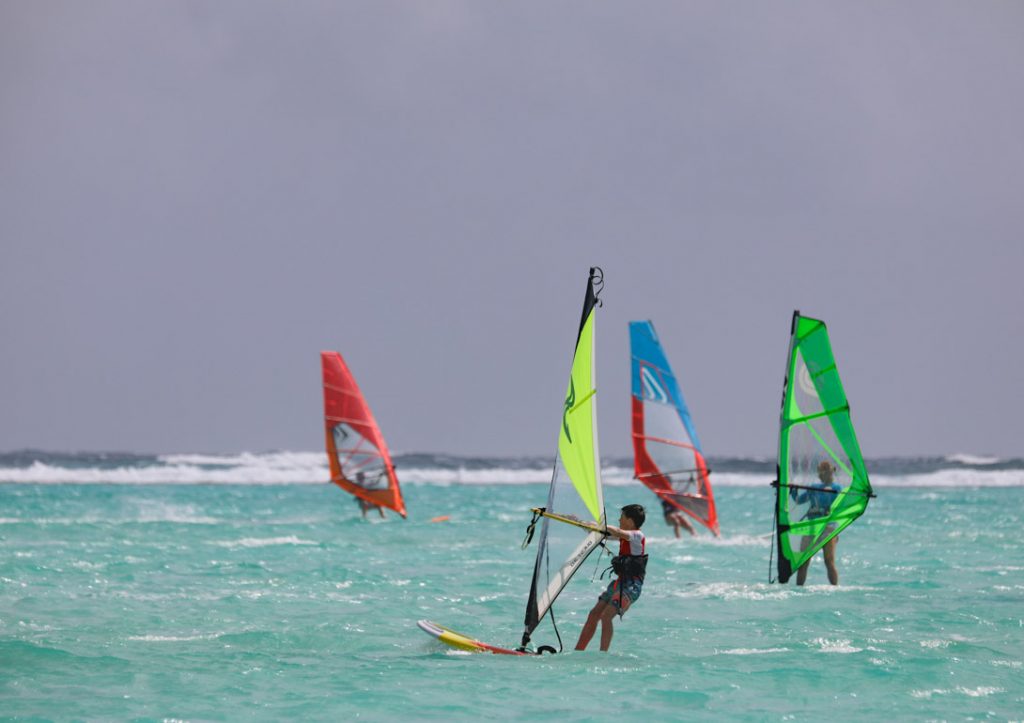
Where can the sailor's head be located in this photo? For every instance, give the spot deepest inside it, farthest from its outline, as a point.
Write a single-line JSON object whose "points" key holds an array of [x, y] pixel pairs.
{"points": [[632, 517], [826, 470]]}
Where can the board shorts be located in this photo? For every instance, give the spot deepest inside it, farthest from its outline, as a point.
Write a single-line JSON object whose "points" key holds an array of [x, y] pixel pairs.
{"points": [[631, 588]]}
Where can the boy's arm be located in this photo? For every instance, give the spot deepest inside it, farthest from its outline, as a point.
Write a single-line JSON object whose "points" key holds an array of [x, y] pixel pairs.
{"points": [[617, 532]]}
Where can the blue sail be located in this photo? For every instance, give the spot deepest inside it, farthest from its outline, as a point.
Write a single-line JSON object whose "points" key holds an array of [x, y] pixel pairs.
{"points": [[667, 453]]}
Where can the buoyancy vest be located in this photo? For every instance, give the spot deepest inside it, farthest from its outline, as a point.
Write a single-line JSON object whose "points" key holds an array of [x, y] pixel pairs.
{"points": [[630, 566], [627, 565]]}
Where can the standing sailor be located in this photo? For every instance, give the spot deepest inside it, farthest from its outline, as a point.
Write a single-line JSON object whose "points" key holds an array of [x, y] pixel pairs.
{"points": [[820, 497], [622, 592], [675, 519]]}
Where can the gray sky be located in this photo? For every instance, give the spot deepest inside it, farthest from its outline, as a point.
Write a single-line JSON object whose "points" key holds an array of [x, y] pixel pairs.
{"points": [[198, 197]]}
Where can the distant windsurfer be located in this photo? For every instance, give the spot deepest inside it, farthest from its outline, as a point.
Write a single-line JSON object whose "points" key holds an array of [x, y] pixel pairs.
{"points": [[365, 505], [622, 592], [675, 519], [820, 499]]}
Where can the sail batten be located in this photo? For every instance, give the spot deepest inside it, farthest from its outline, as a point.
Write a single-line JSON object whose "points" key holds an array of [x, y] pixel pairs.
{"points": [[358, 456], [667, 453], [823, 483]]}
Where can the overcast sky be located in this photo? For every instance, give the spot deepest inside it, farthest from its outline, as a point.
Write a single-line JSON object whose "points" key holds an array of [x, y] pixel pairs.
{"points": [[198, 197]]}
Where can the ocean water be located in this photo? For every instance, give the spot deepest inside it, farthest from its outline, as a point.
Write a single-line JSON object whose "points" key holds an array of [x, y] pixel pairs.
{"points": [[204, 587]]}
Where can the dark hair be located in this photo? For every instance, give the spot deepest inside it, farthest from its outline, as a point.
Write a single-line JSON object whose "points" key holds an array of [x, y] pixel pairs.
{"points": [[635, 513]]}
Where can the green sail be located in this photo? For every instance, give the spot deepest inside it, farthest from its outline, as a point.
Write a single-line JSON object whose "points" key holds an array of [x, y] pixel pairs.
{"points": [[816, 435]]}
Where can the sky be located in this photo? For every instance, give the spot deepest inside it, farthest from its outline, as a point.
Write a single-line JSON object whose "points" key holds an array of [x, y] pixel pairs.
{"points": [[197, 198]]}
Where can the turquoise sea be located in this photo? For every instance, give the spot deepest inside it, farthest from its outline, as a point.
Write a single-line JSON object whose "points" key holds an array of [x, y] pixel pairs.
{"points": [[268, 599]]}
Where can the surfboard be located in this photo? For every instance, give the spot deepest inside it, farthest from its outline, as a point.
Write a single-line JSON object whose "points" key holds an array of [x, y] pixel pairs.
{"points": [[463, 642]]}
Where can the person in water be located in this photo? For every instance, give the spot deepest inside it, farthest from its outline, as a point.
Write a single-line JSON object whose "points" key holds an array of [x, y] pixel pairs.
{"points": [[820, 499], [675, 519], [622, 592], [365, 505]]}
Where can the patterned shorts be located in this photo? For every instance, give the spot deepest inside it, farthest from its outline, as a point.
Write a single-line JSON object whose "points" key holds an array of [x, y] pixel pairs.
{"points": [[631, 588]]}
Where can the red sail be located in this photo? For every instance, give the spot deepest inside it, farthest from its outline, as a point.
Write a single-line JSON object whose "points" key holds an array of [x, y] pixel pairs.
{"points": [[358, 456], [691, 494]]}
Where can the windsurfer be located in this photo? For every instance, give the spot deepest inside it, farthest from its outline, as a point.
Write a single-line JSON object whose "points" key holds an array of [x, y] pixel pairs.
{"points": [[365, 505], [820, 499], [675, 519], [622, 592]]}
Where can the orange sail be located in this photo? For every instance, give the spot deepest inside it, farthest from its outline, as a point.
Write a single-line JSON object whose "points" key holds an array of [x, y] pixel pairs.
{"points": [[358, 456]]}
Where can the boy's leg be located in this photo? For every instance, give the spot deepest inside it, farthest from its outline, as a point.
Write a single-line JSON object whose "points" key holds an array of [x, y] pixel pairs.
{"points": [[607, 628], [590, 626]]}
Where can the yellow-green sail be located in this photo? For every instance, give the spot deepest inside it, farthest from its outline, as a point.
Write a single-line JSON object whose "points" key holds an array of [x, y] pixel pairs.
{"points": [[576, 481], [822, 481]]}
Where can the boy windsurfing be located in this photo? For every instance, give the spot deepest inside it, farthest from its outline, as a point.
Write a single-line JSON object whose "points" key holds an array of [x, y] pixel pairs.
{"points": [[630, 565]]}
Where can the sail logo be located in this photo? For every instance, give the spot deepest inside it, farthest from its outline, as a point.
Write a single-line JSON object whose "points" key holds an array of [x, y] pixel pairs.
{"points": [[569, 402], [652, 388], [805, 381]]}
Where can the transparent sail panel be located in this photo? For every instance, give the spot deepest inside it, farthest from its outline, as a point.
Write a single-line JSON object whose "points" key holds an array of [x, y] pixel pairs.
{"points": [[671, 466], [667, 440], [563, 548], [360, 462], [679, 477]]}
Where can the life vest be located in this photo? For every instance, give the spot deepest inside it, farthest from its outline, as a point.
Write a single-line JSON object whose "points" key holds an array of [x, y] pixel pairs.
{"points": [[630, 566], [626, 565]]}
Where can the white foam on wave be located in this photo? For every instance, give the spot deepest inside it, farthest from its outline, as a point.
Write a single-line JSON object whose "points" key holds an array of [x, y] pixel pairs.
{"points": [[172, 638], [974, 459], [752, 651], [311, 468], [835, 646], [1015, 664], [86, 565], [280, 460], [733, 540], [610, 476], [957, 478], [730, 591], [39, 473], [263, 542], [980, 692]]}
